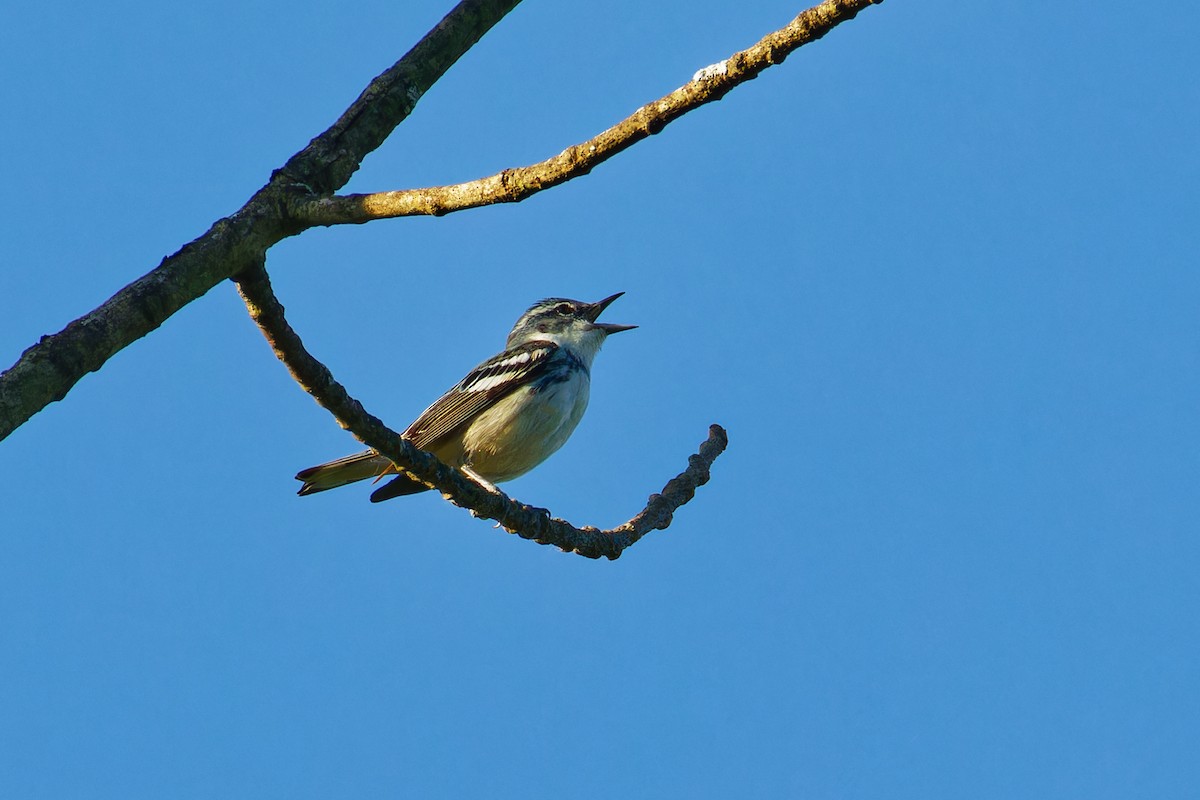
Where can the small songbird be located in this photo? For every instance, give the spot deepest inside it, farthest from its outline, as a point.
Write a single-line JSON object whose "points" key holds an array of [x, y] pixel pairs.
{"points": [[508, 415]]}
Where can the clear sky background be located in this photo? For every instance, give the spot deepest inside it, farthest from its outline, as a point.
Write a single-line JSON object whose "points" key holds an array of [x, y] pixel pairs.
{"points": [[937, 275]]}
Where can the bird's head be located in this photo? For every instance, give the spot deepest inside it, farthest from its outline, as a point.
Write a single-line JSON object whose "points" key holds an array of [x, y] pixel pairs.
{"points": [[568, 323]]}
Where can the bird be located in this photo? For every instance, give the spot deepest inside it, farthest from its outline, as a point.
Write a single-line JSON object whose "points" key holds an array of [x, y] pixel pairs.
{"points": [[508, 415]]}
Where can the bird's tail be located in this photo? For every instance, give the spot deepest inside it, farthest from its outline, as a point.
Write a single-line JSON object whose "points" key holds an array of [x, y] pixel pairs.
{"points": [[342, 471]]}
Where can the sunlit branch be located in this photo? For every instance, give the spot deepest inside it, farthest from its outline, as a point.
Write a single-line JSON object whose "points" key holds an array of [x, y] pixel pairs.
{"points": [[513, 185]]}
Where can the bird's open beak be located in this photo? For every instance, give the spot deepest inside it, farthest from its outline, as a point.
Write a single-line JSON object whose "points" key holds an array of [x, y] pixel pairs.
{"points": [[595, 309]]}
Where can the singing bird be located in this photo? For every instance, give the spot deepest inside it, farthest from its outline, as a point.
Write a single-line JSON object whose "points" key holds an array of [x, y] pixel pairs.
{"points": [[508, 415]]}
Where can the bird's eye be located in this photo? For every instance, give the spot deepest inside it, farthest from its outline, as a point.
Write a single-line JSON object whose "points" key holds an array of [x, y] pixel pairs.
{"points": [[565, 309]]}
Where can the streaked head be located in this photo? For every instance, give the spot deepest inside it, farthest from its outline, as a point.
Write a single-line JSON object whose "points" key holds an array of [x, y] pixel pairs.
{"points": [[567, 323]]}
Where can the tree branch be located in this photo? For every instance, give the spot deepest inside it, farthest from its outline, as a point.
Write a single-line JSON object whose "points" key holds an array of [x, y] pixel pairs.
{"points": [[513, 185], [526, 521], [46, 371]]}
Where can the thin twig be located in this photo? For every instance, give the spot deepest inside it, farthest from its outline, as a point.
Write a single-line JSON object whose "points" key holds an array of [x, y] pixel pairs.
{"points": [[516, 517]]}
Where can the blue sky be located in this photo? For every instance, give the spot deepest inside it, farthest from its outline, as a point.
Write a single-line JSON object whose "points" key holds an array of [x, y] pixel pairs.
{"points": [[936, 275]]}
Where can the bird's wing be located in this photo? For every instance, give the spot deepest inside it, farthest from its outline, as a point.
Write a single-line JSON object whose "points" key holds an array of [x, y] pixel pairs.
{"points": [[481, 389]]}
